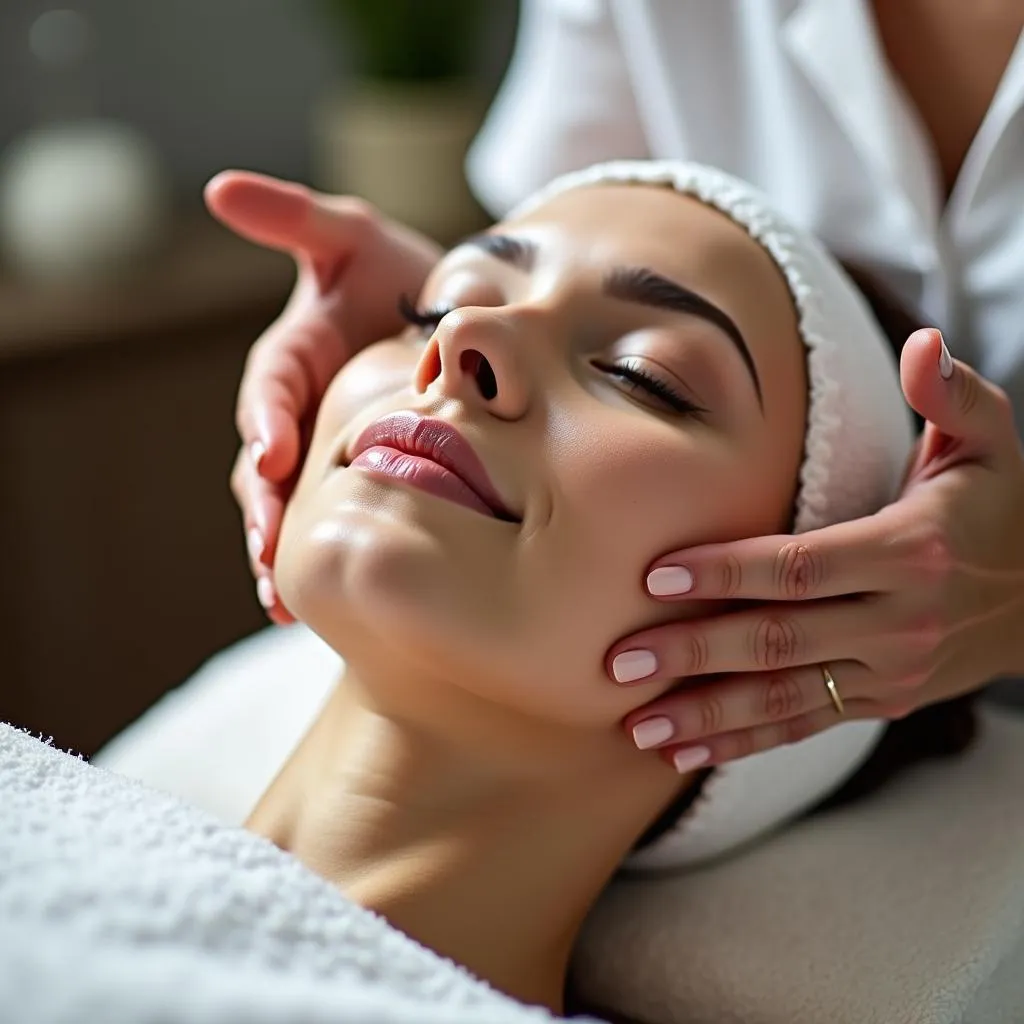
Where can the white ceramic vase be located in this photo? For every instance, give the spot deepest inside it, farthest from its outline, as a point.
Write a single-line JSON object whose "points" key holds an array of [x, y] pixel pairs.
{"points": [[80, 201]]}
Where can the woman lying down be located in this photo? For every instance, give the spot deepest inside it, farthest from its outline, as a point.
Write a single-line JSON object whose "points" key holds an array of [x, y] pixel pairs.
{"points": [[643, 357]]}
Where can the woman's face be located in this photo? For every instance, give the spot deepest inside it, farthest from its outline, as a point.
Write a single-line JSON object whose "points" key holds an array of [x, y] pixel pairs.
{"points": [[624, 362]]}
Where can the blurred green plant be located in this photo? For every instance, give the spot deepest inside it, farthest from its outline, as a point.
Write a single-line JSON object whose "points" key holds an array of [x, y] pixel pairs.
{"points": [[409, 40]]}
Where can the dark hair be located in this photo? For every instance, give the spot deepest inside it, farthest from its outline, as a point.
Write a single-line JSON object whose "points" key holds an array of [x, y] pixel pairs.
{"points": [[941, 730]]}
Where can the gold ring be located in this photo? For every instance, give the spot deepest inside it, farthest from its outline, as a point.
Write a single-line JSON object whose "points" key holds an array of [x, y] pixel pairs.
{"points": [[833, 690]]}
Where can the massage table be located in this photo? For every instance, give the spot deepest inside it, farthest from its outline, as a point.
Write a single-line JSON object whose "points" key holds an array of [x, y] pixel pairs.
{"points": [[907, 908]]}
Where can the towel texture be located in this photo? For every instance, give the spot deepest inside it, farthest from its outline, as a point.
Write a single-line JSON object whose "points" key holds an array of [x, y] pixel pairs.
{"points": [[124, 905]]}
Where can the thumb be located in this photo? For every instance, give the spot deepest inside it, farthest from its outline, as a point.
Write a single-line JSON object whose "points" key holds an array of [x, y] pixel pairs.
{"points": [[953, 398], [284, 215]]}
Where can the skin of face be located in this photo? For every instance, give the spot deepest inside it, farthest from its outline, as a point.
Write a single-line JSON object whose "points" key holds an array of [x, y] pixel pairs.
{"points": [[603, 476]]}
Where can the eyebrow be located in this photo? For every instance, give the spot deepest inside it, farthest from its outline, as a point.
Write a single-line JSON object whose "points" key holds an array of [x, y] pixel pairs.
{"points": [[633, 284], [519, 252], [638, 284]]}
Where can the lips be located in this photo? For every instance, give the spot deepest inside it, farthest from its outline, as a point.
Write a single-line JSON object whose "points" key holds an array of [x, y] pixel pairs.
{"points": [[429, 453]]}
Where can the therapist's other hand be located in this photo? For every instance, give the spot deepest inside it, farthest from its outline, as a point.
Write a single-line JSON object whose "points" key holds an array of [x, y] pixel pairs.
{"points": [[918, 603], [353, 264]]}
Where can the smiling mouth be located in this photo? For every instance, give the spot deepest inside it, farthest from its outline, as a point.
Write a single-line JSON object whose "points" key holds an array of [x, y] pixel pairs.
{"points": [[432, 456], [426, 475]]}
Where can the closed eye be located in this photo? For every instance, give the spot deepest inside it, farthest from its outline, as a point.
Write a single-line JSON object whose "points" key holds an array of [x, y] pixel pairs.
{"points": [[639, 378], [632, 373], [425, 318]]}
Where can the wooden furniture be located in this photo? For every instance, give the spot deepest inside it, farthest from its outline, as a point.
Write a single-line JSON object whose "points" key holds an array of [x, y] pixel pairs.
{"points": [[123, 562]]}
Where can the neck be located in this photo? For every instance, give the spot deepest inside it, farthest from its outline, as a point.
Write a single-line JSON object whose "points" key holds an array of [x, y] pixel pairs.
{"points": [[484, 837]]}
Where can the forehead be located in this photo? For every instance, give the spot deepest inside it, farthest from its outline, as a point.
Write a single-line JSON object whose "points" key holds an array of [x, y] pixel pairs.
{"points": [[649, 224], [674, 234], [680, 237]]}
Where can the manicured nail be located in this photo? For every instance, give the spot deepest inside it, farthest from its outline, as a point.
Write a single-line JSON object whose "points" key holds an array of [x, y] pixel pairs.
{"points": [[689, 758], [254, 542], [256, 452], [265, 592], [945, 361], [669, 579], [629, 666], [652, 731]]}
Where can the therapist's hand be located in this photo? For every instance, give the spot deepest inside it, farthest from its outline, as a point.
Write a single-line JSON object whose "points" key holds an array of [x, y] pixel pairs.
{"points": [[918, 603], [353, 264]]}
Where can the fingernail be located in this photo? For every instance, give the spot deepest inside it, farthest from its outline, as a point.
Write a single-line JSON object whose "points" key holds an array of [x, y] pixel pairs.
{"points": [[945, 361], [259, 515], [265, 592], [632, 665], [254, 541], [256, 451], [652, 731], [669, 579], [689, 758]]}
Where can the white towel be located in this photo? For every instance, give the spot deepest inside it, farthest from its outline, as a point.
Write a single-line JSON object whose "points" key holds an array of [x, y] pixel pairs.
{"points": [[123, 905]]}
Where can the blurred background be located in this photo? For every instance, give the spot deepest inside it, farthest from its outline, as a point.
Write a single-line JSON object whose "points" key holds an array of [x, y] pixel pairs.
{"points": [[126, 312]]}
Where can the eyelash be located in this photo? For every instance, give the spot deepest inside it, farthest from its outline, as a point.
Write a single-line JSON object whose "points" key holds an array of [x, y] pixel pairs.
{"points": [[637, 377], [424, 318], [632, 373]]}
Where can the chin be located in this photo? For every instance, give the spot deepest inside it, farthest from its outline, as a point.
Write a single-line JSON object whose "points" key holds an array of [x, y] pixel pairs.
{"points": [[354, 570], [359, 560], [401, 585]]}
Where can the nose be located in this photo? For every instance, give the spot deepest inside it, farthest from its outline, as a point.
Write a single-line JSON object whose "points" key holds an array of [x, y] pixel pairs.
{"points": [[476, 355]]}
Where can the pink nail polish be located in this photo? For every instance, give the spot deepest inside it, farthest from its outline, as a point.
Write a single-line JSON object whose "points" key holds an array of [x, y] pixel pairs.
{"points": [[629, 666], [945, 361], [257, 450], [259, 516], [667, 580], [652, 731], [254, 542], [689, 758], [265, 592]]}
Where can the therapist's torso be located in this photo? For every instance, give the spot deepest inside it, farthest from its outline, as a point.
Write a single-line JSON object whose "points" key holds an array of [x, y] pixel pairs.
{"points": [[797, 97]]}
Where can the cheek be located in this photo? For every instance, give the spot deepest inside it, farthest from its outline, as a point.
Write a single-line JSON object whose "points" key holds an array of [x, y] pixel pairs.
{"points": [[623, 498], [377, 372], [365, 386], [371, 379]]}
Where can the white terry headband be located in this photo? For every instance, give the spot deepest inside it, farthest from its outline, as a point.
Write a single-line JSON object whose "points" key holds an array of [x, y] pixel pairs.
{"points": [[857, 443]]}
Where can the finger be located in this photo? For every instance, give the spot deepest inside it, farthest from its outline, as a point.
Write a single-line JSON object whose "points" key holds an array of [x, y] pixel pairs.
{"points": [[735, 703], [275, 395], [262, 506], [270, 601], [762, 639], [290, 217], [847, 558], [263, 510], [242, 474], [954, 399], [732, 746]]}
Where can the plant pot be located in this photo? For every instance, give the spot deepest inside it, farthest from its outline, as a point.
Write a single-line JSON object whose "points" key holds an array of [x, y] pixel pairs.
{"points": [[402, 147]]}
